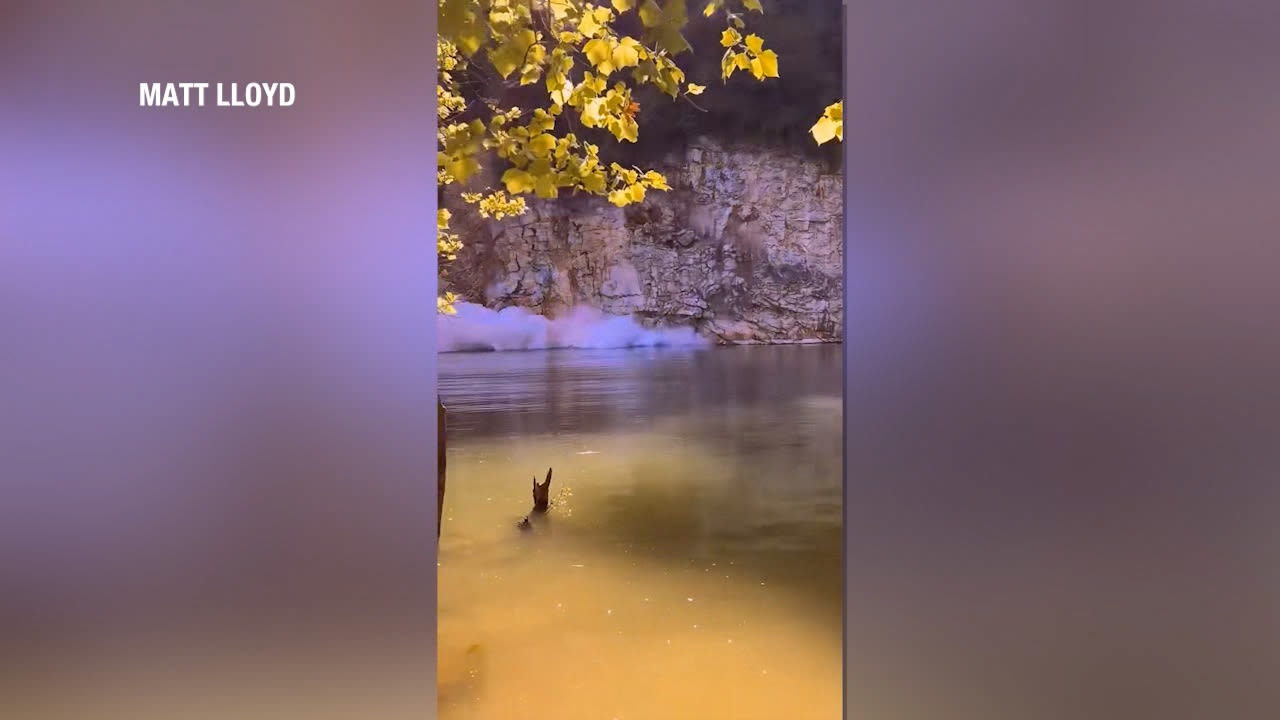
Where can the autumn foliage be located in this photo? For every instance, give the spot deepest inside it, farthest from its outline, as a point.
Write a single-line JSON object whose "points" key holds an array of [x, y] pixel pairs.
{"points": [[586, 60]]}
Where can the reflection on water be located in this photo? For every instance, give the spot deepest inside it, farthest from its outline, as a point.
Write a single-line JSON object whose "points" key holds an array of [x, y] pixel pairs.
{"points": [[691, 564]]}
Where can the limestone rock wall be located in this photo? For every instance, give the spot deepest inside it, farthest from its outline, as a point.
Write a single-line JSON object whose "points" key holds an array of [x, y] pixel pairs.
{"points": [[745, 247]]}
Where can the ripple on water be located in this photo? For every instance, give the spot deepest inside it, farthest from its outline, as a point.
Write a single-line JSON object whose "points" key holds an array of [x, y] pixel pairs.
{"points": [[678, 574]]}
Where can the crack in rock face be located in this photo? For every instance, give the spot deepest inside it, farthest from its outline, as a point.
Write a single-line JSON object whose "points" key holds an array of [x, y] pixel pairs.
{"points": [[745, 248]]}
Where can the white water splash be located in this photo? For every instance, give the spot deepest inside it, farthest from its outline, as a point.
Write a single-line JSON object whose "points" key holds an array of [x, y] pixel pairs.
{"points": [[477, 328]]}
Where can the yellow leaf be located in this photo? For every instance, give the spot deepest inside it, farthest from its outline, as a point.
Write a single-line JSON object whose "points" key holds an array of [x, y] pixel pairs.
{"points": [[650, 14], [603, 15], [559, 9], [588, 26], [540, 122], [510, 55], [769, 63], [675, 14], [594, 182], [729, 37], [599, 54], [623, 5], [741, 61], [540, 167], [518, 181], [541, 145], [727, 65], [532, 69], [545, 187], [756, 68], [620, 198], [500, 19], [504, 61], [461, 167], [560, 95], [561, 64], [592, 114], [460, 23], [755, 43], [656, 180], [753, 5], [594, 82], [636, 192], [826, 129], [630, 130], [709, 10], [627, 53], [695, 89], [831, 124], [670, 40]]}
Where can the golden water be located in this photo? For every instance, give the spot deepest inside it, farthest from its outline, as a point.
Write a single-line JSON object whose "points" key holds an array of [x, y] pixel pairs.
{"points": [[690, 566]]}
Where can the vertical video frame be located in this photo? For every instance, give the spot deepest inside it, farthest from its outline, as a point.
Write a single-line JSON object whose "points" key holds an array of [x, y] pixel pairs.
{"points": [[640, 319]]}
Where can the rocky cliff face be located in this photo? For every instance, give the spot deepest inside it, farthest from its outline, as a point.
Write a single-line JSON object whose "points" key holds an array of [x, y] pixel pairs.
{"points": [[745, 247]]}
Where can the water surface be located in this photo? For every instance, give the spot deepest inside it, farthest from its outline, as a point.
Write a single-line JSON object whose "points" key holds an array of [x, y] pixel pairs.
{"points": [[691, 564]]}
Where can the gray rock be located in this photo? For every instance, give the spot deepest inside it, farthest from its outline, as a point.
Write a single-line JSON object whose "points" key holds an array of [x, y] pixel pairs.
{"points": [[746, 247]]}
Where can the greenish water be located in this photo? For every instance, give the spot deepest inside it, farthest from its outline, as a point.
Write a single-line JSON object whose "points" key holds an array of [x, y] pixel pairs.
{"points": [[691, 564]]}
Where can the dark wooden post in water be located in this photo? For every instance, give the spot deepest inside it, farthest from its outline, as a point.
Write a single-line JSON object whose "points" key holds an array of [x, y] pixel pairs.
{"points": [[440, 463]]}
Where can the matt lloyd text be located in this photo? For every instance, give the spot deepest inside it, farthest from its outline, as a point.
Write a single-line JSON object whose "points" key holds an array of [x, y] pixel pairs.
{"points": [[194, 94]]}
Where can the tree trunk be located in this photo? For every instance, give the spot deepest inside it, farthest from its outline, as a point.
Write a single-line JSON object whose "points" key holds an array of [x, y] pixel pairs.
{"points": [[440, 463]]}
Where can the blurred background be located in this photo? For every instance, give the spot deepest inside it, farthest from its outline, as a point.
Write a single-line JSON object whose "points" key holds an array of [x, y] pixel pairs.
{"points": [[210, 319], [1061, 420]]}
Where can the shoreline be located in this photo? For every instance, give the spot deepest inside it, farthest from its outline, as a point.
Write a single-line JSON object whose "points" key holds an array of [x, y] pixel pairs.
{"points": [[713, 344]]}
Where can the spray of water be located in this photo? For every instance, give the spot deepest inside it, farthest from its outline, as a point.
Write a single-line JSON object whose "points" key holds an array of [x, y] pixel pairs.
{"points": [[475, 328]]}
